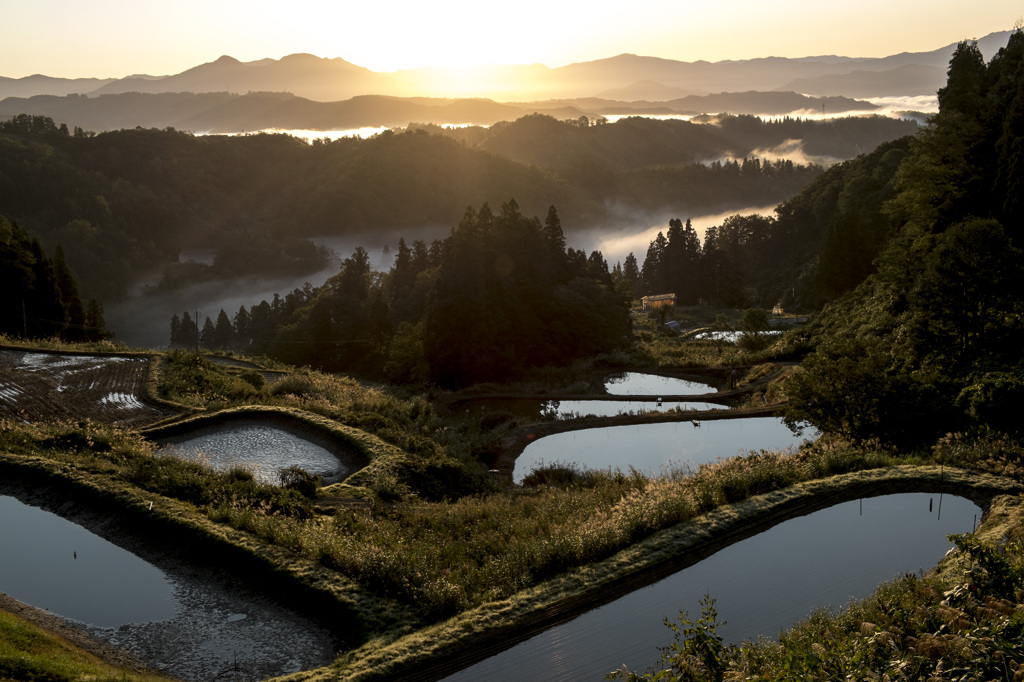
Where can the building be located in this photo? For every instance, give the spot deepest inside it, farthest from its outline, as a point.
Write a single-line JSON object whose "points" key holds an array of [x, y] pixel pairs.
{"points": [[658, 301]]}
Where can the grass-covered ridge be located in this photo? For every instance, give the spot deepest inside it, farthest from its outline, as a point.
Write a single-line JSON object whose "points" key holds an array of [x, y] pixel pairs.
{"points": [[422, 535], [30, 652], [518, 616]]}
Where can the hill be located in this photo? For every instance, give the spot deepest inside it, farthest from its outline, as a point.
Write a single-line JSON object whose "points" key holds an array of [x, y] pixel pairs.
{"points": [[320, 79]]}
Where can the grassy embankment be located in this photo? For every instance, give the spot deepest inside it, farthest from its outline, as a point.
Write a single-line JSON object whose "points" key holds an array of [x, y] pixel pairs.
{"points": [[29, 652], [410, 557]]}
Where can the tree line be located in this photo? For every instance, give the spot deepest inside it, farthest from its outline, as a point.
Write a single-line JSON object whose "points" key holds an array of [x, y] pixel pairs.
{"points": [[41, 298], [819, 245], [500, 295], [125, 202], [931, 340]]}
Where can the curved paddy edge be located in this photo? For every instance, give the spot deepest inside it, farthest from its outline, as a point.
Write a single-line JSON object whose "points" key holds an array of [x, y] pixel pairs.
{"points": [[440, 650], [138, 521], [352, 442]]}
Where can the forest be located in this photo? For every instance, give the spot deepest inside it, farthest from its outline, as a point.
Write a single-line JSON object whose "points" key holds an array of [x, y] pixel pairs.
{"points": [[126, 202], [499, 281], [41, 296], [930, 340]]}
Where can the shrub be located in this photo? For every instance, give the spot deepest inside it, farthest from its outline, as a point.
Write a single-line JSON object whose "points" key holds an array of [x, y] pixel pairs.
{"points": [[298, 479]]}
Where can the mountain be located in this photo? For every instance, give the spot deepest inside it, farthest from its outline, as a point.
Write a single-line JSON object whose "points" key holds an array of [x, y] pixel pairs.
{"points": [[907, 80], [324, 80], [301, 74], [221, 112], [46, 85]]}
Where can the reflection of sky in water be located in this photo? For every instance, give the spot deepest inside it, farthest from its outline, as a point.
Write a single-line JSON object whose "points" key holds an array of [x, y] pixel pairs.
{"points": [[649, 447], [59, 566], [263, 449], [183, 622], [635, 383], [761, 585], [611, 408]]}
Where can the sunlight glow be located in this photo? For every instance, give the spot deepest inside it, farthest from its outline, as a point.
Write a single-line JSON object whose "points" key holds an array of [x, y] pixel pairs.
{"points": [[115, 38]]}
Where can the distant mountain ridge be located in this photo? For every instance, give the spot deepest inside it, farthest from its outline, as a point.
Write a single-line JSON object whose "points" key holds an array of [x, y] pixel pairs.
{"points": [[328, 80], [222, 112]]}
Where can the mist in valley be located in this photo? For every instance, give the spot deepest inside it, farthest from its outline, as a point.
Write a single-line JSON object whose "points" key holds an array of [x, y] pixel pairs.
{"points": [[142, 319]]}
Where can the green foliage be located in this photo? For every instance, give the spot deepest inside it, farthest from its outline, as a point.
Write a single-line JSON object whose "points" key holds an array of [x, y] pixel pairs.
{"points": [[508, 298], [298, 479], [191, 379], [932, 341], [696, 655], [41, 295]]}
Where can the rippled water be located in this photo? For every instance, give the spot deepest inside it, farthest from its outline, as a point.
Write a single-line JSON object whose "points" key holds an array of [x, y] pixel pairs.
{"points": [[761, 585], [635, 383], [265, 449], [651, 447], [178, 618]]}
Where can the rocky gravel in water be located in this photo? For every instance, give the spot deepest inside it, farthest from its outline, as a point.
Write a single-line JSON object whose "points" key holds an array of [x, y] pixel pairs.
{"points": [[224, 626], [223, 630]]}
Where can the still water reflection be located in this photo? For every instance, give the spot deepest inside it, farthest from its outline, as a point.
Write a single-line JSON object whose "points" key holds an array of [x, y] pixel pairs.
{"points": [[761, 585], [532, 408], [188, 621], [57, 565], [635, 383], [650, 447]]}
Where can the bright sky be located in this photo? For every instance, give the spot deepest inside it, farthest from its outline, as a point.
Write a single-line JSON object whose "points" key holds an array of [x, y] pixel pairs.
{"points": [[116, 38]]}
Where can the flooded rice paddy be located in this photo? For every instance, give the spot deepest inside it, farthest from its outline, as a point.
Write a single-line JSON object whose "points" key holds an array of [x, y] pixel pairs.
{"points": [[190, 622], [653, 447], [262, 446], [761, 584], [636, 383], [533, 408], [52, 387]]}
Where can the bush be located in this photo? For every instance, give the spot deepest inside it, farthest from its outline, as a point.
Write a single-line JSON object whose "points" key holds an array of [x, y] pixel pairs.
{"points": [[298, 479]]}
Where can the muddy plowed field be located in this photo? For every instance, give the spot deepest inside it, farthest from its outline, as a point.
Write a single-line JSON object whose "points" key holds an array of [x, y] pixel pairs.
{"points": [[49, 387]]}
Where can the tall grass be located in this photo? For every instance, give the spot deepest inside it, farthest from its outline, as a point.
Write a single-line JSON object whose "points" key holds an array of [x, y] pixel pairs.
{"points": [[448, 556]]}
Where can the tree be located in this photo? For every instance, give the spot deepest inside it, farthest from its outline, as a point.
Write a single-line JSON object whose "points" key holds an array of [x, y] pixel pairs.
{"points": [[68, 288], [224, 333], [95, 325], [208, 337], [175, 337], [241, 328]]}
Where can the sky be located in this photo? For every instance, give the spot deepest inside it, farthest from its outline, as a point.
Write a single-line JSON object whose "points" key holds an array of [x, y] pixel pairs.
{"points": [[117, 38]]}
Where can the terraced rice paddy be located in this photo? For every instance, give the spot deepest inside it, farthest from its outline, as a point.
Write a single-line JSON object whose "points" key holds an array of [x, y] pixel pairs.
{"points": [[53, 387]]}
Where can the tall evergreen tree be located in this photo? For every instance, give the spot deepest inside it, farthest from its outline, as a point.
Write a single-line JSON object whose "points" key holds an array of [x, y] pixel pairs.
{"points": [[76, 325]]}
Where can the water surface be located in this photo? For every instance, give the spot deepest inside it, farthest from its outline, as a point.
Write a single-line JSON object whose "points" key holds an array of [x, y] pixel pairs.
{"points": [[188, 621], [636, 383], [533, 408], [761, 585], [264, 449], [652, 447], [59, 566]]}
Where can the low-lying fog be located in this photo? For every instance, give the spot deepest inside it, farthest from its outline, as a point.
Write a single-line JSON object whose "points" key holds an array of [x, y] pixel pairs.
{"points": [[917, 108], [143, 320]]}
